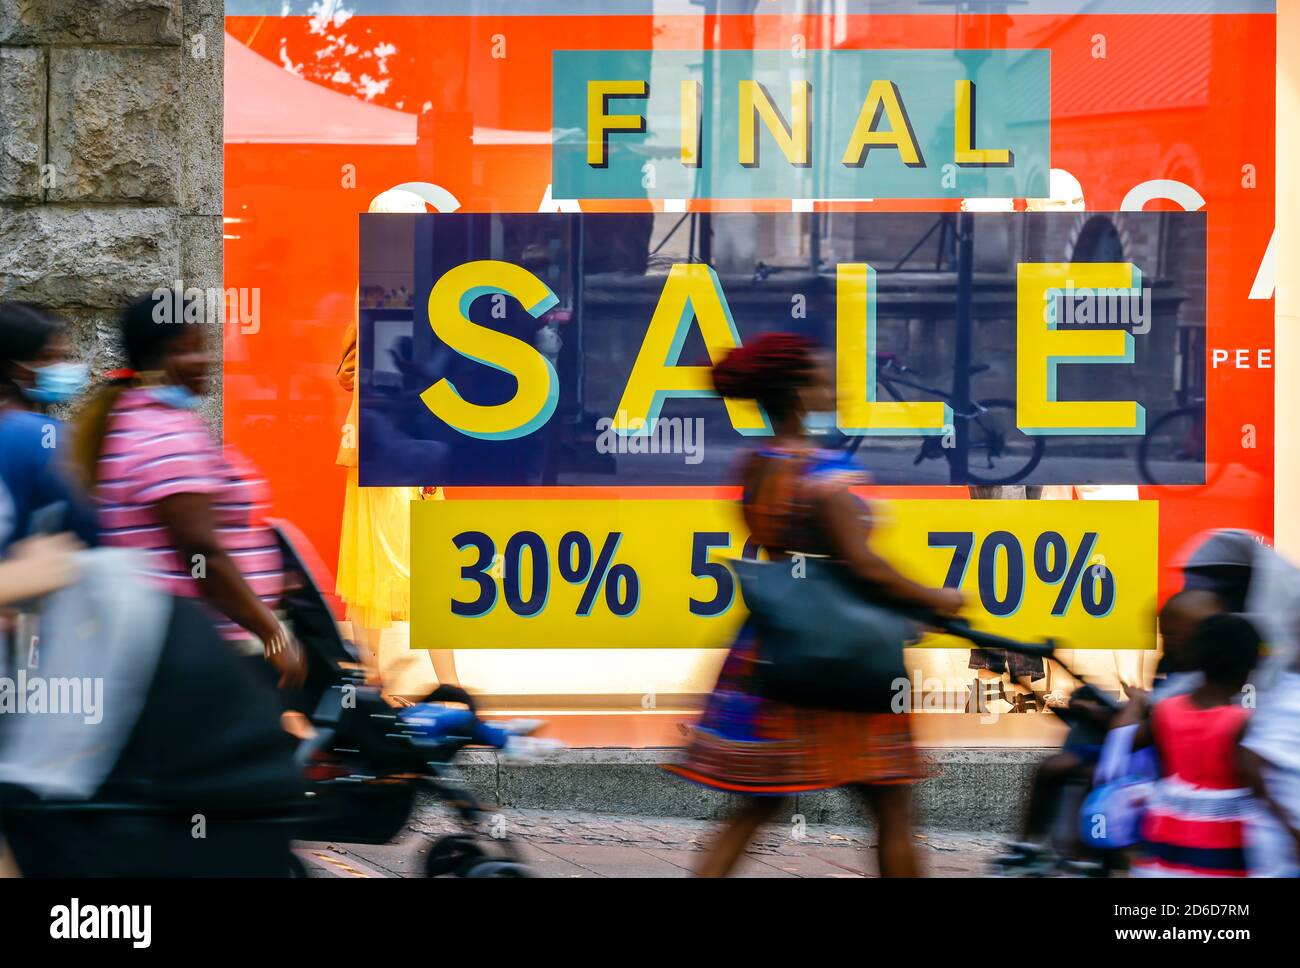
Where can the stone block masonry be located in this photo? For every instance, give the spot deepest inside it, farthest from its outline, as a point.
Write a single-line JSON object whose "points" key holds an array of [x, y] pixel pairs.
{"points": [[110, 159]]}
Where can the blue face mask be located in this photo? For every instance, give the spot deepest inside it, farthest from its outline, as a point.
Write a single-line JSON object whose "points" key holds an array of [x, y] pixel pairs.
{"points": [[58, 382], [174, 395]]}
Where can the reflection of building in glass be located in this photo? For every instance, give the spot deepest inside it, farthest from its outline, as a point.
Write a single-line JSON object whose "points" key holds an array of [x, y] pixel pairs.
{"points": [[764, 265]]}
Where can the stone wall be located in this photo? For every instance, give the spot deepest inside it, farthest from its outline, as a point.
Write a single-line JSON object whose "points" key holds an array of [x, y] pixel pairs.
{"points": [[110, 158]]}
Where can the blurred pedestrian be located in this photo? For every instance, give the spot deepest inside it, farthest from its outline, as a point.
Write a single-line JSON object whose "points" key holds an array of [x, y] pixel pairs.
{"points": [[796, 500], [37, 566], [165, 487], [1196, 818], [1088, 716], [36, 373], [1271, 764], [1179, 670], [30, 569]]}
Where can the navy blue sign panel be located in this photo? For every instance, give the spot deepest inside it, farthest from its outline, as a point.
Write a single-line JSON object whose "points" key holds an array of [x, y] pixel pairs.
{"points": [[573, 349]]}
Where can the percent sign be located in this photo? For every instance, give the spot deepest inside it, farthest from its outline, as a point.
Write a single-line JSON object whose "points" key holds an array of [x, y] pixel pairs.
{"points": [[1097, 595], [1053, 565], [622, 587]]}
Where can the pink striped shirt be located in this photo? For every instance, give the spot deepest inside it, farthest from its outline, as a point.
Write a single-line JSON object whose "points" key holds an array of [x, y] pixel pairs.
{"points": [[153, 451]]}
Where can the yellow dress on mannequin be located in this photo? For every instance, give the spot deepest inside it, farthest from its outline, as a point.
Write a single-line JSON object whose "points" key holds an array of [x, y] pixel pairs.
{"points": [[374, 577]]}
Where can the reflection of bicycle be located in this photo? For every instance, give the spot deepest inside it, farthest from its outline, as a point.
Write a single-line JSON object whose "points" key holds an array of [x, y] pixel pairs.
{"points": [[991, 428], [1171, 443]]}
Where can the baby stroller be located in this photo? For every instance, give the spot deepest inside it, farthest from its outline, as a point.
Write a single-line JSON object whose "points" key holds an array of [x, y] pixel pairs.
{"points": [[189, 772], [368, 761], [1032, 860]]}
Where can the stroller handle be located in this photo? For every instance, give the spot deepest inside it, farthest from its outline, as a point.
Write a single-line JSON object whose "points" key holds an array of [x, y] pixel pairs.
{"points": [[1045, 649], [445, 692], [961, 628]]}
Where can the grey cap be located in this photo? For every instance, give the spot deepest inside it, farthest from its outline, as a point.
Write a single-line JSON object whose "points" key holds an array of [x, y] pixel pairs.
{"points": [[1227, 546]]}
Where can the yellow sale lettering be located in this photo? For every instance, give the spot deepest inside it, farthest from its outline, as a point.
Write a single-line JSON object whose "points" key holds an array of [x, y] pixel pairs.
{"points": [[884, 100], [882, 122], [858, 411], [691, 292], [791, 138], [1041, 346], [964, 151], [693, 295], [538, 384], [601, 122]]}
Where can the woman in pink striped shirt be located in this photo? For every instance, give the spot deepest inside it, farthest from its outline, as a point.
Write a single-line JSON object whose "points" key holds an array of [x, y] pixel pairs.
{"points": [[164, 487]]}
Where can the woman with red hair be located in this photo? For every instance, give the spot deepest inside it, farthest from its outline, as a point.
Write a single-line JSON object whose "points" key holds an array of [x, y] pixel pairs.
{"points": [[797, 501]]}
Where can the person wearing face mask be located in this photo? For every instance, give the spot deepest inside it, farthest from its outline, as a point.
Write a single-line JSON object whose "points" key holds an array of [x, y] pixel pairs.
{"points": [[163, 486], [35, 374]]}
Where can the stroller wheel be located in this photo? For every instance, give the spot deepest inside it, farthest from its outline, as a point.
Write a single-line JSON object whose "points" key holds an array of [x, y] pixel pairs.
{"points": [[454, 854], [498, 868]]}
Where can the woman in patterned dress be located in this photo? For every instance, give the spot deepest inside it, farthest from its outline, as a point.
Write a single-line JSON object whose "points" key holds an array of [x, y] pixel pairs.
{"points": [[797, 501]]}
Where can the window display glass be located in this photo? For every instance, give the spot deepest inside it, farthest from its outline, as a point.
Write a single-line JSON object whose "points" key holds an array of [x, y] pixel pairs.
{"points": [[498, 245]]}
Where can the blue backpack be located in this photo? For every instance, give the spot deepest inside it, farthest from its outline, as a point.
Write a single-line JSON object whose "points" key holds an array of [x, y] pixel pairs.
{"points": [[1111, 815]]}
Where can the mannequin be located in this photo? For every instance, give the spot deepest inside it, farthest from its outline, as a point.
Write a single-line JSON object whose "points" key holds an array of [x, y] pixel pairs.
{"points": [[374, 574]]}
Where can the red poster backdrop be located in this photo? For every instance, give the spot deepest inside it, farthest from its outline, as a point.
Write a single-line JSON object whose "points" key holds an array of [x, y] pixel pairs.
{"points": [[322, 117]]}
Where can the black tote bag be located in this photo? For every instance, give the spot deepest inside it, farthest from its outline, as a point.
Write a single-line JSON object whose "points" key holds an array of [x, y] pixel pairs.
{"points": [[821, 643]]}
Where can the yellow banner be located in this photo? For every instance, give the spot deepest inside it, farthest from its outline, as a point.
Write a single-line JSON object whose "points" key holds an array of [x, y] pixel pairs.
{"points": [[653, 574]]}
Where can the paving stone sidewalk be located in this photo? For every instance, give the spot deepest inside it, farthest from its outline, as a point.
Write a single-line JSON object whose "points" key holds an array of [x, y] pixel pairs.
{"points": [[567, 844]]}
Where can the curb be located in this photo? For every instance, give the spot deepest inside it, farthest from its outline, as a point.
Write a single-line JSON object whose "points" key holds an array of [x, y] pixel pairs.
{"points": [[968, 788]]}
